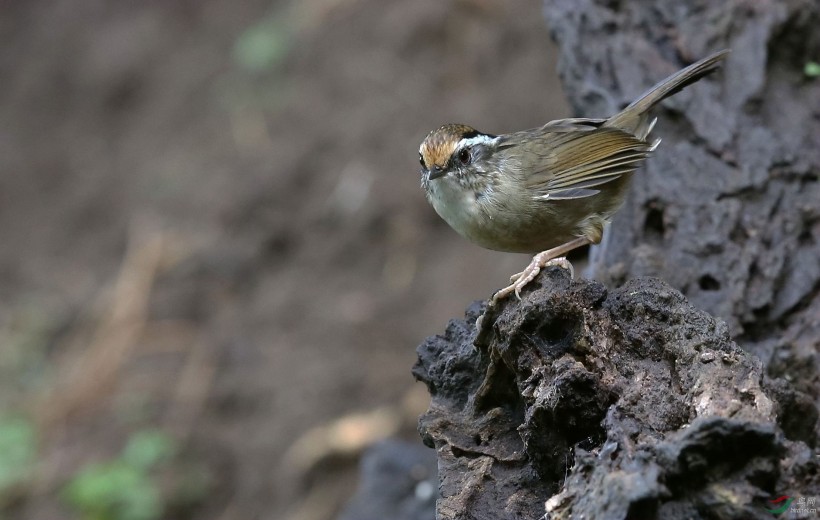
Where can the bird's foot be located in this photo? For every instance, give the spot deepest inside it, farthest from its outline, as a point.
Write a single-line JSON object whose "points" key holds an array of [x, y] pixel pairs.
{"points": [[520, 280]]}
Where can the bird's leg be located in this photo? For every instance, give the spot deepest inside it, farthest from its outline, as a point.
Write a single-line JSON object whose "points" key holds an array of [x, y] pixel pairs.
{"points": [[554, 256]]}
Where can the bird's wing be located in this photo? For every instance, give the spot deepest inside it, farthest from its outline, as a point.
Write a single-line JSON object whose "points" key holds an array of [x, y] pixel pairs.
{"points": [[572, 124], [573, 163]]}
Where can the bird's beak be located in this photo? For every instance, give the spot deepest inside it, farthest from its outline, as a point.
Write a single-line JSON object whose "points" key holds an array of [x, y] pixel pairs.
{"points": [[435, 172]]}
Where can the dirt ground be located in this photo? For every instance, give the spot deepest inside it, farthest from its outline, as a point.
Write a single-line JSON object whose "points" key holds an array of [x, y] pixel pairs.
{"points": [[211, 224]]}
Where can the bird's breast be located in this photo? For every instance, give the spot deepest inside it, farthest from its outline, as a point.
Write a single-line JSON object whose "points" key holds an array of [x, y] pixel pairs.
{"points": [[457, 206], [494, 220]]}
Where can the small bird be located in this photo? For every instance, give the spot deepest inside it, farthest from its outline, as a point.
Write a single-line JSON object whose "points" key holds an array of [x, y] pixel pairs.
{"points": [[550, 189]]}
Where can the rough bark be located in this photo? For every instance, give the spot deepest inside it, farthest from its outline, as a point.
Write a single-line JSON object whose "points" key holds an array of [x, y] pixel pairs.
{"points": [[579, 402], [728, 209]]}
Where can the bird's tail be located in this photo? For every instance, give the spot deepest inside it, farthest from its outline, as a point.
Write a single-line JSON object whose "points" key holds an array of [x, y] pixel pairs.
{"points": [[634, 118]]}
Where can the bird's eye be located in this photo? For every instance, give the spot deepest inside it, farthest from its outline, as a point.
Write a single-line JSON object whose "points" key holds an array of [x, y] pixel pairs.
{"points": [[421, 160], [464, 156]]}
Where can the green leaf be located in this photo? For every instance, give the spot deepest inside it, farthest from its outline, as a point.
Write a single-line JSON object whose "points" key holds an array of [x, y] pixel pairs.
{"points": [[812, 69], [18, 449], [147, 448], [262, 46], [123, 488], [114, 491]]}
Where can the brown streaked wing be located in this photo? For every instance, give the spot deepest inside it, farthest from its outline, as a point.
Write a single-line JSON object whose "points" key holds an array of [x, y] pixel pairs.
{"points": [[579, 161]]}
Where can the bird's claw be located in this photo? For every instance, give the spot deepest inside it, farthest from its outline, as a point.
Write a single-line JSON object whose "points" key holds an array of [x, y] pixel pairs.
{"points": [[520, 280], [563, 262]]}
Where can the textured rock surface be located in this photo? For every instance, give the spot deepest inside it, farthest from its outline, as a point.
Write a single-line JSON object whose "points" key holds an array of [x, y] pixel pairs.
{"points": [[585, 403], [727, 210]]}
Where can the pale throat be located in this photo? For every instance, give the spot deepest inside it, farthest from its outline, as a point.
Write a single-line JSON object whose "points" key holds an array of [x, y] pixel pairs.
{"points": [[457, 202]]}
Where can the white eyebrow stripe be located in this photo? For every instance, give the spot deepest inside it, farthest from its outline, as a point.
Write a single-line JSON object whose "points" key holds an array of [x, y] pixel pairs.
{"points": [[478, 139]]}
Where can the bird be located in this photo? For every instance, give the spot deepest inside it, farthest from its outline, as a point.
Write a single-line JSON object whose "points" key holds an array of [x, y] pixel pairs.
{"points": [[547, 190]]}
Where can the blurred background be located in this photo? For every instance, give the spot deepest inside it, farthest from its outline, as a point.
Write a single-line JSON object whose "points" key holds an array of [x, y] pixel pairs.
{"points": [[216, 261]]}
